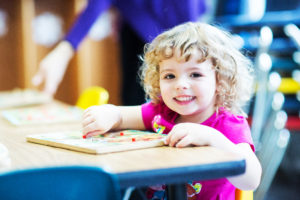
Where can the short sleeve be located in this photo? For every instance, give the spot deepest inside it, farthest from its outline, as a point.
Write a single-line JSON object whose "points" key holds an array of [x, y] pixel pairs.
{"points": [[148, 113], [150, 110], [235, 128]]}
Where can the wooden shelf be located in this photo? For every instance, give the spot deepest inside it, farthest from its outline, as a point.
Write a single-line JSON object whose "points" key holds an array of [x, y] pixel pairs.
{"points": [[95, 63]]}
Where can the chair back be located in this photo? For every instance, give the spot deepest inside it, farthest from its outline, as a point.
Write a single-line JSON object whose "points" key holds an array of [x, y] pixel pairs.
{"points": [[243, 195], [92, 96], [65, 183]]}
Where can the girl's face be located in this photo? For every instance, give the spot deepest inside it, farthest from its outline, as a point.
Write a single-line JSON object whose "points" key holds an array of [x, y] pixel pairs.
{"points": [[188, 88]]}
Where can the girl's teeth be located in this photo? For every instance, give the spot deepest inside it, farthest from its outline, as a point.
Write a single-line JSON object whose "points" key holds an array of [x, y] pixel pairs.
{"points": [[184, 98]]}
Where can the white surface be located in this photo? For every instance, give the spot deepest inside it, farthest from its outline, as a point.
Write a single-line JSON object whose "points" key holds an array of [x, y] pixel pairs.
{"points": [[4, 157]]}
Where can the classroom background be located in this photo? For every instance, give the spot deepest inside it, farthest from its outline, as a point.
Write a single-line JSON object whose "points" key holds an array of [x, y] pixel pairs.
{"points": [[267, 30]]}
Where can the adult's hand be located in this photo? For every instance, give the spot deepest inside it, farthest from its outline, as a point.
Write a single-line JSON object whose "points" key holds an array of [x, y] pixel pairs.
{"points": [[53, 67]]}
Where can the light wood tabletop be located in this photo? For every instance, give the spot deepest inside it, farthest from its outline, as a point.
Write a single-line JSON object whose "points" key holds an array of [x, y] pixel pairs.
{"points": [[156, 165]]}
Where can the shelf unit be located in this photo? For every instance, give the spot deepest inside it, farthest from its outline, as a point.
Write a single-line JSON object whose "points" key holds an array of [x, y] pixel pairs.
{"points": [[95, 63], [281, 52]]}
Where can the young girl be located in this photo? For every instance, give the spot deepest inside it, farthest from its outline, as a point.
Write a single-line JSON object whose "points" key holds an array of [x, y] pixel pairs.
{"points": [[197, 82]]}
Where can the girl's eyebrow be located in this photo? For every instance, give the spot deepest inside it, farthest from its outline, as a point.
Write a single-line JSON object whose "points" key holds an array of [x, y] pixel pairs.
{"points": [[165, 70], [195, 68]]}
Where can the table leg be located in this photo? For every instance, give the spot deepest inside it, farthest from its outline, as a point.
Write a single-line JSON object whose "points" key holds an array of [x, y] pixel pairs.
{"points": [[176, 192]]}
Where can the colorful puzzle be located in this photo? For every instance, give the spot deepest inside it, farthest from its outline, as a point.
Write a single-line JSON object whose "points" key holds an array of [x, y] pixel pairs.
{"points": [[18, 98], [43, 114], [110, 142]]}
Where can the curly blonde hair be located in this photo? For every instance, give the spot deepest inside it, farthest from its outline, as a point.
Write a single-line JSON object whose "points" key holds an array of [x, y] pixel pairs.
{"points": [[233, 70]]}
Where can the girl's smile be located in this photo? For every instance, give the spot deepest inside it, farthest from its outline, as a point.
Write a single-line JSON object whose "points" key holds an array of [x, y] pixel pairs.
{"points": [[184, 99]]}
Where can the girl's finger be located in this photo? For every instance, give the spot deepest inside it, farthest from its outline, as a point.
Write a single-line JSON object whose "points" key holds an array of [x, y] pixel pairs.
{"points": [[86, 113], [89, 128], [176, 137], [184, 142], [91, 134], [167, 140], [87, 120], [170, 135]]}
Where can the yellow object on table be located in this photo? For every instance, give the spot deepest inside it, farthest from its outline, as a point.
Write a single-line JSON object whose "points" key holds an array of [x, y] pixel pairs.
{"points": [[92, 96]]}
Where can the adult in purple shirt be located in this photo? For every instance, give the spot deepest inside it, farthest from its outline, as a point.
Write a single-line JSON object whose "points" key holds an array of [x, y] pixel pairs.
{"points": [[143, 20]]}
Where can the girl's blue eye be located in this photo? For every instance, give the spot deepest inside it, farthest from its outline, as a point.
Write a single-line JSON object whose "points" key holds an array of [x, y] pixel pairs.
{"points": [[196, 75], [169, 76]]}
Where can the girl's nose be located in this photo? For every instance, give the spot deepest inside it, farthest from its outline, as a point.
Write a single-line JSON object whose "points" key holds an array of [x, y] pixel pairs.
{"points": [[182, 84]]}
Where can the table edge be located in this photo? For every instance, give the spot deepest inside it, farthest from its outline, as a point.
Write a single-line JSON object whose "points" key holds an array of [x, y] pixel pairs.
{"points": [[188, 173]]}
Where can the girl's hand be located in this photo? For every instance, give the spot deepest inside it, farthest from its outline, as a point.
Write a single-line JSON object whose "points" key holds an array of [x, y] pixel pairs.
{"points": [[100, 119], [190, 134], [187, 134]]}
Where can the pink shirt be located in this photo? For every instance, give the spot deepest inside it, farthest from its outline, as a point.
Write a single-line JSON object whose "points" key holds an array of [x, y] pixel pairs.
{"points": [[235, 128]]}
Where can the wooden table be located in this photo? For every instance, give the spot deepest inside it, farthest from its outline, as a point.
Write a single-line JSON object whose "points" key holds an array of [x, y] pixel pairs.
{"points": [[161, 165]]}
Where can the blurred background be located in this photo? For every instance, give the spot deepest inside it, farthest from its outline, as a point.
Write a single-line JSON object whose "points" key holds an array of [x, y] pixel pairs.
{"points": [[266, 30], [269, 33]]}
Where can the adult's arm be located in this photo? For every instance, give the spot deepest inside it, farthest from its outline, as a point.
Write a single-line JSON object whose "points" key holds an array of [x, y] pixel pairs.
{"points": [[150, 18], [85, 21], [53, 67]]}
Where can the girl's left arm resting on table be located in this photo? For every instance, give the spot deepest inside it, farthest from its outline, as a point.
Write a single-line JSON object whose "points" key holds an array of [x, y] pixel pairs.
{"points": [[251, 178], [131, 118]]}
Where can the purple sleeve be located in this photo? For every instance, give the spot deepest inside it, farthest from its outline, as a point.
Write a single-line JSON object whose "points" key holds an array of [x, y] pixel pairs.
{"points": [[85, 21], [149, 18]]}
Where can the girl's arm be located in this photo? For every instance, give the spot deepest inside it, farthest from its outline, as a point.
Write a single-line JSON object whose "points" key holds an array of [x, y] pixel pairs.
{"points": [[250, 180], [101, 119], [131, 118], [186, 134]]}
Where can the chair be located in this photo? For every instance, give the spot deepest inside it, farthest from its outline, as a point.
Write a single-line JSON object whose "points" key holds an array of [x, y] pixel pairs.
{"points": [[268, 120], [272, 143], [92, 96], [263, 65], [243, 195], [65, 183]]}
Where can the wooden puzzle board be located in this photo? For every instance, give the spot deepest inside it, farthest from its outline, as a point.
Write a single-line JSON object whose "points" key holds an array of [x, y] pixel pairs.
{"points": [[18, 98], [110, 142], [43, 114]]}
